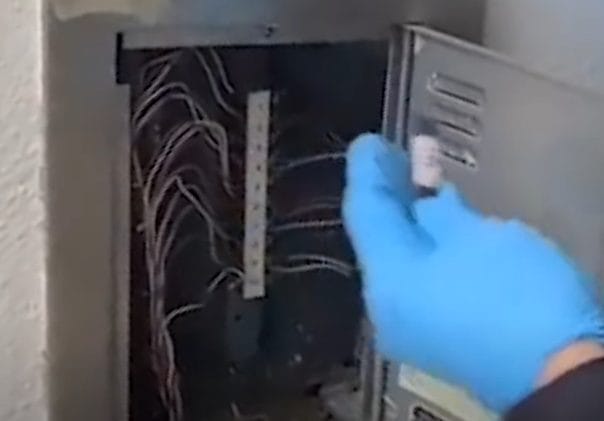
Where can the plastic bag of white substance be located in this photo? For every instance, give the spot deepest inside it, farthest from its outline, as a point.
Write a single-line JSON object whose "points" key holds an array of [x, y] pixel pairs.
{"points": [[145, 10]]}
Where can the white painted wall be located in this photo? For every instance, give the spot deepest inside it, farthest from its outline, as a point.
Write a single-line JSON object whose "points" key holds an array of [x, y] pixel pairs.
{"points": [[22, 215], [560, 37]]}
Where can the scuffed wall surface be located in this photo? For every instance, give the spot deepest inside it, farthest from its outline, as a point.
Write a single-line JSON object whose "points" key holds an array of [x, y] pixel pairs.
{"points": [[560, 37], [146, 10], [22, 216]]}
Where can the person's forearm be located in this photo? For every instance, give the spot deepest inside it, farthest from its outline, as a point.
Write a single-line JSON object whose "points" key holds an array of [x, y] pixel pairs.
{"points": [[570, 358], [570, 394], [569, 388]]}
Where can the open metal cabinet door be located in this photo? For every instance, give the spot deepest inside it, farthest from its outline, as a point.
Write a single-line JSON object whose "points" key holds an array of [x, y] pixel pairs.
{"points": [[518, 144]]}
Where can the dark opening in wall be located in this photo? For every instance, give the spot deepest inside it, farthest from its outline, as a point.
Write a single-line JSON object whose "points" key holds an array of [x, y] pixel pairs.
{"points": [[198, 349]]}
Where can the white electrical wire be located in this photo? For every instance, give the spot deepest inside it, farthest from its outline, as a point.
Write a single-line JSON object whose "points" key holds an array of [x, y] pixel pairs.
{"points": [[320, 258], [150, 102], [175, 409], [224, 78], [181, 311], [148, 233], [165, 247], [149, 65], [300, 162], [146, 110], [196, 128], [218, 279], [281, 126], [309, 267], [213, 228], [178, 139], [216, 137], [213, 285], [168, 213], [314, 262], [167, 201], [213, 85], [169, 60], [301, 225], [337, 140], [323, 204]]}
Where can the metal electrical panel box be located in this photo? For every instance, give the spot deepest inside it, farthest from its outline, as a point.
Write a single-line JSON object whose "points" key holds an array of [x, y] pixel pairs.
{"points": [[283, 56], [518, 144], [85, 102]]}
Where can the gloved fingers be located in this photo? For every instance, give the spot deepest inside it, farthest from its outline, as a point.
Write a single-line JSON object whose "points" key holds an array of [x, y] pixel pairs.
{"points": [[377, 200], [373, 162], [445, 214]]}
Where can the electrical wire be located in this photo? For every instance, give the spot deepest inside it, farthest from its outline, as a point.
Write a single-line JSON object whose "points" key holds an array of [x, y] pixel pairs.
{"points": [[226, 272], [312, 262], [302, 225], [217, 137], [179, 138], [335, 139], [300, 162], [149, 65], [320, 258], [213, 227], [309, 267], [172, 193], [147, 109], [181, 311], [213, 285], [167, 200], [168, 213], [165, 247], [161, 346], [224, 78], [199, 128], [322, 204], [169, 60], [214, 85]]}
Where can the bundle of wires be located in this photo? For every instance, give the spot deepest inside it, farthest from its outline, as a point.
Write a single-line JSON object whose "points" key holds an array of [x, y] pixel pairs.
{"points": [[173, 184], [171, 188]]}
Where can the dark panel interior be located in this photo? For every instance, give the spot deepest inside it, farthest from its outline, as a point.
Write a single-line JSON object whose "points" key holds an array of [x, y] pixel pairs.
{"points": [[197, 348]]}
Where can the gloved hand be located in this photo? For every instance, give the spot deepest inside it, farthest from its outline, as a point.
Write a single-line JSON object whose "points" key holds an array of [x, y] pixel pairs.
{"points": [[475, 301]]}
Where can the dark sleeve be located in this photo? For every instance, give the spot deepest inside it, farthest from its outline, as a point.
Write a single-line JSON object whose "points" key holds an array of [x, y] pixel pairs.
{"points": [[576, 396]]}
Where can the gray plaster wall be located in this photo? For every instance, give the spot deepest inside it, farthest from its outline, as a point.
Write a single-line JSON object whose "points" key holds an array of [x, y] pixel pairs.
{"points": [[559, 37]]}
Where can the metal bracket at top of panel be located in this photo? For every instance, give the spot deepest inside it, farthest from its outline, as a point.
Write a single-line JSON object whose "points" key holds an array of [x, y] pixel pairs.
{"points": [[266, 22]]}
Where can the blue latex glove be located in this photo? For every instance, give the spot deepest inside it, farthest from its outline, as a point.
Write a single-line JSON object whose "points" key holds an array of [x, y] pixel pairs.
{"points": [[477, 302]]}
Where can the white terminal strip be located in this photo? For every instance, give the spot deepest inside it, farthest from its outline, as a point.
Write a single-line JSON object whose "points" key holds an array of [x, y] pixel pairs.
{"points": [[258, 126]]}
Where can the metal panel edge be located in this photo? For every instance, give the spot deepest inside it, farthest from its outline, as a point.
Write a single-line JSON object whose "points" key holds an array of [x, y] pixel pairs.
{"points": [[298, 21]]}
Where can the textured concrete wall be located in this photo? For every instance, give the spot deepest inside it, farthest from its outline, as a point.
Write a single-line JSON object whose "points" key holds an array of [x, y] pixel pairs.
{"points": [[560, 37], [22, 214]]}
